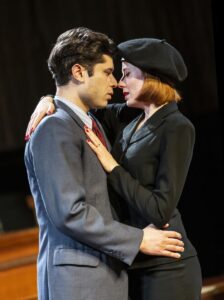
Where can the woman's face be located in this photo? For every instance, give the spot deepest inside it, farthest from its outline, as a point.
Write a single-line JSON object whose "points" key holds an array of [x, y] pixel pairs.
{"points": [[131, 83]]}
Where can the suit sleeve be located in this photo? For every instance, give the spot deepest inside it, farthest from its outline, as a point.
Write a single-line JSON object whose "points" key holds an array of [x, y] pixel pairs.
{"points": [[157, 205], [56, 154]]}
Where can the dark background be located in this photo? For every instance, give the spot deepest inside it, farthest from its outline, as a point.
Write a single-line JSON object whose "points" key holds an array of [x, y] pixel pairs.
{"points": [[28, 28]]}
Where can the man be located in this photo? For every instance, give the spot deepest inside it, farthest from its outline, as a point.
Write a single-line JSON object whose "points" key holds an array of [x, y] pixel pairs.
{"points": [[83, 251]]}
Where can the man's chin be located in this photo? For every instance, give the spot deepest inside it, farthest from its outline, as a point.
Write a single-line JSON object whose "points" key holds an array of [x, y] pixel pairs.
{"points": [[102, 105]]}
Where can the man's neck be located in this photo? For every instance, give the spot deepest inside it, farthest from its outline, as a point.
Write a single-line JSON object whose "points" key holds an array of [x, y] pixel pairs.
{"points": [[69, 93]]}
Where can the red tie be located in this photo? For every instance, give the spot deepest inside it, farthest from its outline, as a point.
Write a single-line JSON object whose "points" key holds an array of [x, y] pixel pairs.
{"points": [[98, 133]]}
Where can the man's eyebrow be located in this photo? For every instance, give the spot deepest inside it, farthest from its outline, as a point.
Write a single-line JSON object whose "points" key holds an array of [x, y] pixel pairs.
{"points": [[110, 69]]}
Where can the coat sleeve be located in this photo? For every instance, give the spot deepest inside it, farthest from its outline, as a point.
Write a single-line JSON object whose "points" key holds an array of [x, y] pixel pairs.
{"points": [[115, 117], [56, 157], [156, 205]]}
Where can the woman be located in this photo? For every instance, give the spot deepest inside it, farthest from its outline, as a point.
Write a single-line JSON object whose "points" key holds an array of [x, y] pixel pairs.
{"points": [[149, 162]]}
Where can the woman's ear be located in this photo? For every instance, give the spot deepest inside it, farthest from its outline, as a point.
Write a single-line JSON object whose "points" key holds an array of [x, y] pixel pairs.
{"points": [[79, 72]]}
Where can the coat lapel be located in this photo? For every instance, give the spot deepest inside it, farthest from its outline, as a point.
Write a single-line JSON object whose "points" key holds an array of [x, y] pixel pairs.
{"points": [[131, 136], [129, 130]]}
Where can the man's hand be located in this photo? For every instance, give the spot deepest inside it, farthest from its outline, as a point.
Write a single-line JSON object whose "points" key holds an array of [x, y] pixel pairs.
{"points": [[161, 242]]}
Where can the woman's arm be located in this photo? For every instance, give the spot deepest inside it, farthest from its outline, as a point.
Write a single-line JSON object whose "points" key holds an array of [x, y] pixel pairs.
{"points": [[155, 205], [44, 107], [158, 203], [104, 156], [115, 117]]}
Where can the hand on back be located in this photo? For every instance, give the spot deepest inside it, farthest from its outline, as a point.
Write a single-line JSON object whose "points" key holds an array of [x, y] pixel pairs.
{"points": [[43, 108]]}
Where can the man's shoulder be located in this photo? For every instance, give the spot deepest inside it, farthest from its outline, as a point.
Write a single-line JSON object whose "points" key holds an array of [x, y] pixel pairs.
{"points": [[60, 117], [62, 114], [56, 127]]}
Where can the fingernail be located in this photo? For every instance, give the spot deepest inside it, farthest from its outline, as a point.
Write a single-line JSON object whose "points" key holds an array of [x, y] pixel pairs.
{"points": [[27, 137], [86, 128], [88, 141]]}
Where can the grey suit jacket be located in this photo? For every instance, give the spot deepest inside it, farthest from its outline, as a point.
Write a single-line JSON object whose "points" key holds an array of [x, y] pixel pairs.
{"points": [[83, 252]]}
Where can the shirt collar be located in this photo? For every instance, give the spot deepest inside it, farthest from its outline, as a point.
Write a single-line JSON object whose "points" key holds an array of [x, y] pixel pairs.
{"points": [[77, 110]]}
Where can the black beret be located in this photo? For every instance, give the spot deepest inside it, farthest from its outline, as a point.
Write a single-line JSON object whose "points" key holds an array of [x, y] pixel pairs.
{"points": [[156, 57]]}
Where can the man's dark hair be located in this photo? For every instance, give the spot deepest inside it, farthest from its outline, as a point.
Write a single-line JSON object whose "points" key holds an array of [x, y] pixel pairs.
{"points": [[78, 45]]}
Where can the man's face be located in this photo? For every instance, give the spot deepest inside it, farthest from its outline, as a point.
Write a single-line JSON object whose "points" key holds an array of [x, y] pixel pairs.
{"points": [[99, 87]]}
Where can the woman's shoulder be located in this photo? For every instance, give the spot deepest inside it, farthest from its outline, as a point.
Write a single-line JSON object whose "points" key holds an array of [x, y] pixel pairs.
{"points": [[179, 119], [177, 123]]}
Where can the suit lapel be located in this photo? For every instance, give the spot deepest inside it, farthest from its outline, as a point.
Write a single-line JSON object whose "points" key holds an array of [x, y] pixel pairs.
{"points": [[80, 123], [72, 114]]}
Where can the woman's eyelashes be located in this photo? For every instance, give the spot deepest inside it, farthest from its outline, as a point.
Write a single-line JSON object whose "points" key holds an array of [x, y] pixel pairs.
{"points": [[125, 74]]}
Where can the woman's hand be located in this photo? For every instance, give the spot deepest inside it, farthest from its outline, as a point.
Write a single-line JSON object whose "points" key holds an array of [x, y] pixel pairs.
{"points": [[44, 107], [104, 156]]}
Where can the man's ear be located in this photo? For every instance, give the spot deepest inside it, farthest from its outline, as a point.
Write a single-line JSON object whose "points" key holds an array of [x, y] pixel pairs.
{"points": [[79, 72]]}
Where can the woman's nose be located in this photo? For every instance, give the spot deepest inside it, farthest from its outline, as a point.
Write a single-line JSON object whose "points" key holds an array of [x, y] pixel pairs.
{"points": [[121, 84]]}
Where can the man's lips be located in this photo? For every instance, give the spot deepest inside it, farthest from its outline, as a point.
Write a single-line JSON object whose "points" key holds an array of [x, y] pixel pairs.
{"points": [[110, 95]]}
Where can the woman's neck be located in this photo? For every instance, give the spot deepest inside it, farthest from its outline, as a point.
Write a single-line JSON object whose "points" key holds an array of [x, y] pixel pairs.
{"points": [[149, 110]]}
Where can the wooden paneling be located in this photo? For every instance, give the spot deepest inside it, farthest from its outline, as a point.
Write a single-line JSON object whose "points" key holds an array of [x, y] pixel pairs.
{"points": [[213, 288], [18, 254]]}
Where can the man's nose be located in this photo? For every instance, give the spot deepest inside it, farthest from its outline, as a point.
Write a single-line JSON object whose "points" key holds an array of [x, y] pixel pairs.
{"points": [[113, 82]]}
